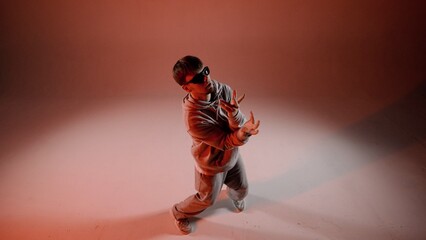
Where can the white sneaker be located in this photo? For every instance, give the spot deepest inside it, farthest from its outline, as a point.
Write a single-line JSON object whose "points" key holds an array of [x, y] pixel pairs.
{"points": [[184, 226], [239, 205]]}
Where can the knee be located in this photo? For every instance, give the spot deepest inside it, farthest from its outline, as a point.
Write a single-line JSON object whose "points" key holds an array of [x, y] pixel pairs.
{"points": [[207, 199]]}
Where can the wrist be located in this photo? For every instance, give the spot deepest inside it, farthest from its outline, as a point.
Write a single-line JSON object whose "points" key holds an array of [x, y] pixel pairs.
{"points": [[242, 135], [233, 114]]}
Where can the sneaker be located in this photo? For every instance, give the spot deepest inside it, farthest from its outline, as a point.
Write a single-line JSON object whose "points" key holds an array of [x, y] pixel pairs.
{"points": [[184, 226], [239, 205]]}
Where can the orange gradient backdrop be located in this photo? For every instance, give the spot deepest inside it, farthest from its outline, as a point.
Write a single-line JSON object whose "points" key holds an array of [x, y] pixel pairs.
{"points": [[93, 146], [289, 48]]}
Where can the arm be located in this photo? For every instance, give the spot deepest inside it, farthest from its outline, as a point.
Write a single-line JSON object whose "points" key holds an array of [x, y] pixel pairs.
{"points": [[214, 135], [234, 117]]}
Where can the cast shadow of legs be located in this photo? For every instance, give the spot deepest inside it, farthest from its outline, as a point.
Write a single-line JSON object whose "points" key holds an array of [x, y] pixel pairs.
{"points": [[388, 131], [317, 223]]}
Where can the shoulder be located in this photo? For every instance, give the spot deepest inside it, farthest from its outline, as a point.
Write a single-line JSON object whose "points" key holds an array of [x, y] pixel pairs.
{"points": [[223, 90]]}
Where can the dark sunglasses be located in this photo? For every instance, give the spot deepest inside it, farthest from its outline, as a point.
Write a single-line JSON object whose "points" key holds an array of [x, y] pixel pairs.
{"points": [[199, 77]]}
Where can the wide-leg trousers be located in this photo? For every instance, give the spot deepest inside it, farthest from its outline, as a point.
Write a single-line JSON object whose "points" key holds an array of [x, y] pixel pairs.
{"points": [[208, 188]]}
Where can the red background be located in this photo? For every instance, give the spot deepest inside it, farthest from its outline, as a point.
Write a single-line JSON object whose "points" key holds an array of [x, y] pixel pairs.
{"points": [[288, 48], [93, 146]]}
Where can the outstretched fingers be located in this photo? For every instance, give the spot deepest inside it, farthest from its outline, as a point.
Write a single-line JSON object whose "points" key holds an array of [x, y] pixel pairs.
{"points": [[234, 97], [241, 98], [251, 117], [256, 124]]}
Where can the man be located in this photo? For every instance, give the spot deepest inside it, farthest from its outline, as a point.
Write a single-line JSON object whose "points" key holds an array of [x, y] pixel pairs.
{"points": [[218, 127]]}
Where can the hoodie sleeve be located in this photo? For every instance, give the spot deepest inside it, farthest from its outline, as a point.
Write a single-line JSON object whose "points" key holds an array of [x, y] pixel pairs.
{"points": [[238, 119], [211, 134]]}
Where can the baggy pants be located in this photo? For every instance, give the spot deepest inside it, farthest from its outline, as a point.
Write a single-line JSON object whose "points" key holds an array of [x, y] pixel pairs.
{"points": [[208, 189]]}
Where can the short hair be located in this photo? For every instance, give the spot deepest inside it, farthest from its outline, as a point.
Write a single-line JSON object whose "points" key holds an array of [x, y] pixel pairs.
{"points": [[184, 66]]}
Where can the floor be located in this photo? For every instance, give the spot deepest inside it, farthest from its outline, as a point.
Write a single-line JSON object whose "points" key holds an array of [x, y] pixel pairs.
{"points": [[112, 168]]}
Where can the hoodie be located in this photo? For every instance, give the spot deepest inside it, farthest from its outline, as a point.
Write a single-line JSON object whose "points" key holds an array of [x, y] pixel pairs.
{"points": [[214, 134]]}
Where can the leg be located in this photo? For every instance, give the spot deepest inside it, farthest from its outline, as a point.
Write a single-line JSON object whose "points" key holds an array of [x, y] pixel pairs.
{"points": [[208, 188], [236, 180]]}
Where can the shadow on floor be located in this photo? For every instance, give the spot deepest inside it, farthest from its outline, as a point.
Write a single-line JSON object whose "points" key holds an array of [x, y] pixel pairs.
{"points": [[383, 133]]}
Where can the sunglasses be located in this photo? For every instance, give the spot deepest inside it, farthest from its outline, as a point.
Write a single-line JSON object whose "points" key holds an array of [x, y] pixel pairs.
{"points": [[199, 77]]}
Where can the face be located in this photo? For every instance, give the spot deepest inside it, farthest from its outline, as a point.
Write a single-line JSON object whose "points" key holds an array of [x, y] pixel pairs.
{"points": [[198, 83]]}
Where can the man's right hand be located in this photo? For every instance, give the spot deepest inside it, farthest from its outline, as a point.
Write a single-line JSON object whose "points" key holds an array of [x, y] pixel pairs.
{"points": [[232, 107]]}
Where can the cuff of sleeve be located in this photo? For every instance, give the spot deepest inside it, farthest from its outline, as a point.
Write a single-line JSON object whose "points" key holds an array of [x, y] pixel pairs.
{"points": [[238, 141]]}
